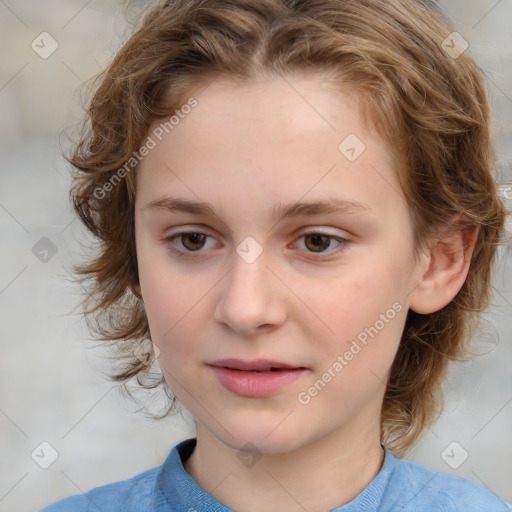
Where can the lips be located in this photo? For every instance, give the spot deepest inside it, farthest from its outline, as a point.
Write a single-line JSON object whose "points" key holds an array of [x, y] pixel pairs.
{"points": [[256, 365], [257, 378]]}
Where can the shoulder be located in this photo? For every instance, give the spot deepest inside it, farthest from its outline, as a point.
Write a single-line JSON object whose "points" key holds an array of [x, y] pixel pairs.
{"points": [[415, 487], [131, 495]]}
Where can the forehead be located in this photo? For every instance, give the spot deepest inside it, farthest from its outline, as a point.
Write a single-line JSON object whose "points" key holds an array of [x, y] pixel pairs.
{"points": [[286, 136]]}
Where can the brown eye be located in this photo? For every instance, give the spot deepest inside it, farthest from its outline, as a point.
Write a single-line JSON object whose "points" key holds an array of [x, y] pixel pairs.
{"points": [[317, 242], [191, 244], [192, 241]]}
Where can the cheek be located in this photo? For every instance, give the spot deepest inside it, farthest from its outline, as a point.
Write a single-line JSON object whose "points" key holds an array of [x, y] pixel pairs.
{"points": [[362, 352], [365, 309], [171, 313], [359, 297], [169, 298]]}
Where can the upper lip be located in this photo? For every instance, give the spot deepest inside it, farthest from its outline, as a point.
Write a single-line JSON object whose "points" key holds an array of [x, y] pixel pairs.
{"points": [[254, 364]]}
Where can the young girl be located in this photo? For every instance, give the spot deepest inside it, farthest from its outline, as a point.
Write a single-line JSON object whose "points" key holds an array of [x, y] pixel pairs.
{"points": [[295, 202]]}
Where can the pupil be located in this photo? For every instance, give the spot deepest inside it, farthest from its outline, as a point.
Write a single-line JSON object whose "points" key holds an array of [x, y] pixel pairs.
{"points": [[195, 238], [318, 239]]}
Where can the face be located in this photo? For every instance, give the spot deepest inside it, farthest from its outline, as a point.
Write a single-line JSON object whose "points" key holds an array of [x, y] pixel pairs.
{"points": [[322, 291]]}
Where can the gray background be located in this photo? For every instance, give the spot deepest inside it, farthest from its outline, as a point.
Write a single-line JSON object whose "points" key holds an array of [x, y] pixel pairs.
{"points": [[52, 388]]}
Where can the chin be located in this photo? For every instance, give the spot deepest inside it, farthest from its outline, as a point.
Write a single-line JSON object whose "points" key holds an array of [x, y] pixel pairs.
{"points": [[262, 437]]}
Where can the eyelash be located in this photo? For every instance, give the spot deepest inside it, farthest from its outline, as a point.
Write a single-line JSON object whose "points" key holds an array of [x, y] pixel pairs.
{"points": [[186, 253]]}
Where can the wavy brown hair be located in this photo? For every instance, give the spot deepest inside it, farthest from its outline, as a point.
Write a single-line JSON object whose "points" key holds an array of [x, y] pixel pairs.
{"points": [[429, 104]]}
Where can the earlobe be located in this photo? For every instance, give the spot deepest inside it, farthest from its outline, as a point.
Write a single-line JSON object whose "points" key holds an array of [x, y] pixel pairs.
{"points": [[449, 261]]}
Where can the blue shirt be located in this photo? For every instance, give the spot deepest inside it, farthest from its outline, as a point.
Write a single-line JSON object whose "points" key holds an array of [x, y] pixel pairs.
{"points": [[400, 486]]}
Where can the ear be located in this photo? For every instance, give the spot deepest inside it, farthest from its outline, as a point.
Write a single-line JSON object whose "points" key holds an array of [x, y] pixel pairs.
{"points": [[448, 259]]}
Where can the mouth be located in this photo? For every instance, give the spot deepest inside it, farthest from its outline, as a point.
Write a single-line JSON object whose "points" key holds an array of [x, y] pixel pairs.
{"points": [[256, 378], [266, 370], [256, 365]]}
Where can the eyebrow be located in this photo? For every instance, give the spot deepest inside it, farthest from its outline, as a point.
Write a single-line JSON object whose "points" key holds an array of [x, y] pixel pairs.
{"points": [[329, 206]]}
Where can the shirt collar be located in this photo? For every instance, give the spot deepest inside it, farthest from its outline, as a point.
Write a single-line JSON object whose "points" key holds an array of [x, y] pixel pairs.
{"points": [[176, 490]]}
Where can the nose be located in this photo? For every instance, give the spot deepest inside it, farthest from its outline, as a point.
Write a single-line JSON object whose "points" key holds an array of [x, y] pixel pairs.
{"points": [[252, 298]]}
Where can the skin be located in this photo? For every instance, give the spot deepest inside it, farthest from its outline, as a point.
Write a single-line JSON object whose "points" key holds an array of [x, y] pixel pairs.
{"points": [[245, 150]]}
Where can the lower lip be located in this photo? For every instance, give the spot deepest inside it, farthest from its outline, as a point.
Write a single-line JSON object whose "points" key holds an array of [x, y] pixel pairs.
{"points": [[256, 384]]}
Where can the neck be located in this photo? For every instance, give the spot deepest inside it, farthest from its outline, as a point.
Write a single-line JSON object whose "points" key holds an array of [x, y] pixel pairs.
{"points": [[319, 476]]}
